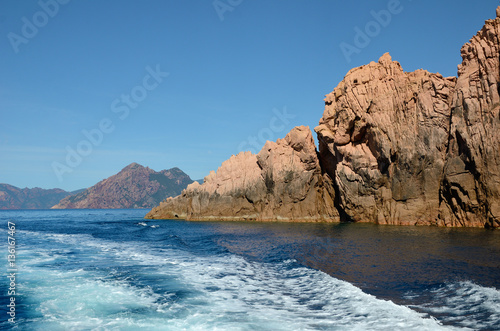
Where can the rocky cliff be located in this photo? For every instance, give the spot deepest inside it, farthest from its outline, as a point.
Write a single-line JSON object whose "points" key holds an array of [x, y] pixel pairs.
{"points": [[12, 197], [134, 186], [383, 138], [283, 181], [471, 184], [395, 147]]}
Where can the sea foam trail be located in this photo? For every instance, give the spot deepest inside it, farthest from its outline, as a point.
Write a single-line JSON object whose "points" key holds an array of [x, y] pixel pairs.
{"points": [[84, 283], [465, 303]]}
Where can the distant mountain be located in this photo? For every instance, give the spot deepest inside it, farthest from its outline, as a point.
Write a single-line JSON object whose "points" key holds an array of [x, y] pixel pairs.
{"points": [[77, 191], [12, 197], [134, 186]]}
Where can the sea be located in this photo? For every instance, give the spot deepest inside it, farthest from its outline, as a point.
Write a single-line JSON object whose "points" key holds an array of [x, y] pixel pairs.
{"points": [[114, 270]]}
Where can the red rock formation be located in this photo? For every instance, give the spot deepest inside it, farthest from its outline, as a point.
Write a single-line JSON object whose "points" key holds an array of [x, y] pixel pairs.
{"points": [[471, 185], [383, 138], [134, 186], [395, 147], [283, 182]]}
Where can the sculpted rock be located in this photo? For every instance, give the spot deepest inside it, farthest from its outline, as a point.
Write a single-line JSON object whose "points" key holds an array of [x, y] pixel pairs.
{"points": [[134, 186], [471, 185], [395, 147], [283, 182], [383, 139]]}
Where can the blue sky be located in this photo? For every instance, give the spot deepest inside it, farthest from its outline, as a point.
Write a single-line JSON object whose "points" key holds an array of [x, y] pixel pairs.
{"points": [[239, 72]]}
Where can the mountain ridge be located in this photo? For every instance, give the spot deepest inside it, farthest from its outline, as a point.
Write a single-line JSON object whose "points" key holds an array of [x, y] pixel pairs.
{"points": [[12, 197], [135, 186]]}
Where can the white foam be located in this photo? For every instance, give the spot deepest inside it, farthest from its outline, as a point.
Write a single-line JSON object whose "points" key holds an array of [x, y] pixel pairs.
{"points": [[297, 298], [466, 304], [79, 299], [225, 292]]}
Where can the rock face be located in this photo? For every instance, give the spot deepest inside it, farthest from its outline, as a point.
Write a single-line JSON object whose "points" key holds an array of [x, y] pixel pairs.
{"points": [[471, 184], [134, 186], [417, 148], [383, 138], [282, 182], [395, 147], [12, 197]]}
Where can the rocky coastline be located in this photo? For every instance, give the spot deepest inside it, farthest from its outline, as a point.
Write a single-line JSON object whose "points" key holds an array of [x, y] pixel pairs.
{"points": [[395, 147]]}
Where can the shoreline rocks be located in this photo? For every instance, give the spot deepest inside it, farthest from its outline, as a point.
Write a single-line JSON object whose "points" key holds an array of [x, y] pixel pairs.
{"points": [[283, 182], [395, 147]]}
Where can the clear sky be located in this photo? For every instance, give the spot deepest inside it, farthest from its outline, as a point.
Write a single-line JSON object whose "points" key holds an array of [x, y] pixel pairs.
{"points": [[189, 83]]}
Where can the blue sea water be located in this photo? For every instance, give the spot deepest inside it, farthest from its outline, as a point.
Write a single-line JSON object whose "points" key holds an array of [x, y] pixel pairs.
{"points": [[113, 270]]}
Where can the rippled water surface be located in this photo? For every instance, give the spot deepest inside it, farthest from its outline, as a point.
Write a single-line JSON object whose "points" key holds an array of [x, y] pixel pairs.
{"points": [[113, 270]]}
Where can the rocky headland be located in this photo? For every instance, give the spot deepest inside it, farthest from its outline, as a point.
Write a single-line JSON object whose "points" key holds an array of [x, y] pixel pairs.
{"points": [[395, 147], [283, 181]]}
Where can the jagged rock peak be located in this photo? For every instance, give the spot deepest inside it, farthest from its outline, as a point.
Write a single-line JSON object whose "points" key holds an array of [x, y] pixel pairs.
{"points": [[471, 184], [385, 60], [383, 139], [282, 182]]}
